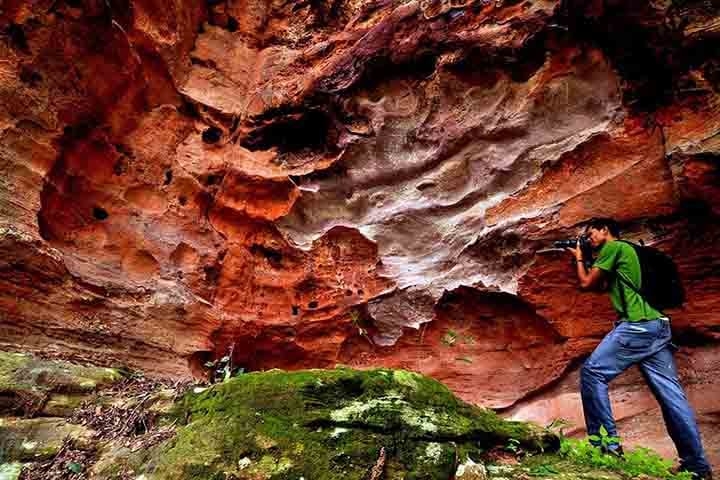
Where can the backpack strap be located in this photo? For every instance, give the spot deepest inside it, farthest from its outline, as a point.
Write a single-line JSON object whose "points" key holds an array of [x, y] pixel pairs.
{"points": [[624, 281]]}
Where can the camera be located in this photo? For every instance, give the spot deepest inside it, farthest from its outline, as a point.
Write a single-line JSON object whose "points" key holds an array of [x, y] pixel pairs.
{"points": [[585, 247], [583, 239]]}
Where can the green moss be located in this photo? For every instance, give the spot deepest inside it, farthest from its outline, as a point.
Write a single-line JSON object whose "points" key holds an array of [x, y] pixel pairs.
{"points": [[426, 460], [327, 424], [564, 465], [23, 372], [36, 438], [10, 363], [551, 466], [10, 471]]}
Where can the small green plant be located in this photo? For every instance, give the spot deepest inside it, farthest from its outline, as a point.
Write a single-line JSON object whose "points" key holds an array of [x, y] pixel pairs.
{"points": [[543, 471], [639, 461], [558, 426], [74, 467], [222, 369], [513, 445], [450, 338], [357, 322], [604, 439]]}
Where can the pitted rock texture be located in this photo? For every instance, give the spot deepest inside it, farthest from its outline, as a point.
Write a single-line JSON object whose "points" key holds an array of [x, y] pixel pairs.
{"points": [[300, 184]]}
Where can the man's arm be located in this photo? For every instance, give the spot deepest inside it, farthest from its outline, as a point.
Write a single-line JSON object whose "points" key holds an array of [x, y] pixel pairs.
{"points": [[588, 278]]}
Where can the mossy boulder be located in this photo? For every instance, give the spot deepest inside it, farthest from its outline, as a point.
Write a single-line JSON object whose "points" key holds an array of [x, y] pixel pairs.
{"points": [[10, 471], [31, 439], [28, 383], [329, 424]]}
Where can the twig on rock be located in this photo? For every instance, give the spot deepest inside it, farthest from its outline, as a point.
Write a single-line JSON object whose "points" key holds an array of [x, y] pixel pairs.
{"points": [[376, 473]]}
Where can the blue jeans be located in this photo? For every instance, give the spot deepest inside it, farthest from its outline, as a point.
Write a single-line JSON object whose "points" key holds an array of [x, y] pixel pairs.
{"points": [[646, 343]]}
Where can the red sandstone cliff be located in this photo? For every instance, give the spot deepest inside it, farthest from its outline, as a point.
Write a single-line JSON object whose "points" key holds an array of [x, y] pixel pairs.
{"points": [[338, 181]]}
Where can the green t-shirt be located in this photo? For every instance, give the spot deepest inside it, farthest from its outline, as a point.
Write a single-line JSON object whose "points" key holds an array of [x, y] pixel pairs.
{"points": [[619, 258]]}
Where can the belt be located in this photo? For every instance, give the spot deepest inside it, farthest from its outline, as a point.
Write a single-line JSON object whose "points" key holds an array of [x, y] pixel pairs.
{"points": [[620, 320]]}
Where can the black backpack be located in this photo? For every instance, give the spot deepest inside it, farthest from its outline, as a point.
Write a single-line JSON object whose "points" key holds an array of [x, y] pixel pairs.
{"points": [[661, 286]]}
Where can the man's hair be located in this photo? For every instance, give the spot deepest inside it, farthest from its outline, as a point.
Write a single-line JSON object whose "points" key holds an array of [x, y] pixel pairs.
{"points": [[599, 223]]}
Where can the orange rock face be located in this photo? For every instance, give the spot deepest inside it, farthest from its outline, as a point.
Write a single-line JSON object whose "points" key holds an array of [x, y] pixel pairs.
{"points": [[302, 184]]}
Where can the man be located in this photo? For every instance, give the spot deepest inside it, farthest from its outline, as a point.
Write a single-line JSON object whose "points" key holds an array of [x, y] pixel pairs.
{"points": [[641, 336]]}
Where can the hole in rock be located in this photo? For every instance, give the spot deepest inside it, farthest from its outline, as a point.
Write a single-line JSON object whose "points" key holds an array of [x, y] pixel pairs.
{"points": [[295, 310], [120, 167], [647, 57], [232, 24], [379, 70], [212, 274], [313, 304], [308, 130], [360, 292], [189, 109], [212, 180], [30, 76], [79, 130], [348, 293], [168, 177], [272, 255], [17, 38], [100, 213], [425, 185], [197, 362], [182, 200], [211, 135]]}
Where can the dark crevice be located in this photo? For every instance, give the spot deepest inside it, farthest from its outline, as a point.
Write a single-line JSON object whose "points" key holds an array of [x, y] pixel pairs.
{"points": [[207, 63], [44, 228], [100, 213], [121, 166], [232, 24], [211, 135], [212, 179], [378, 70], [273, 256], [79, 130], [189, 109], [292, 133], [695, 338], [645, 43], [30, 76], [18, 41], [212, 274]]}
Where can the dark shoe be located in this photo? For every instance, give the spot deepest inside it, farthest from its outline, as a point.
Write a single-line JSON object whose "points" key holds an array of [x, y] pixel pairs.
{"points": [[614, 450], [703, 476], [695, 475]]}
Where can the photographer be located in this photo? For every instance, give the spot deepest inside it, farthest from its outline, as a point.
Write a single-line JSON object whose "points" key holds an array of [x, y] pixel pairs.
{"points": [[641, 336]]}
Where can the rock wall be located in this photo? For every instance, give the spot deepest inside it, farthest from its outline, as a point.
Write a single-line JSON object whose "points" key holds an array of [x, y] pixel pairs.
{"points": [[300, 184]]}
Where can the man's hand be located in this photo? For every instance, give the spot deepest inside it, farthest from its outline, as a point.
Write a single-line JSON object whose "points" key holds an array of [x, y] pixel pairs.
{"points": [[577, 252], [588, 279]]}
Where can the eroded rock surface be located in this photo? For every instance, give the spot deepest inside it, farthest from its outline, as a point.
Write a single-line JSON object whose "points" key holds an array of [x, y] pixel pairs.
{"points": [[298, 184]]}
